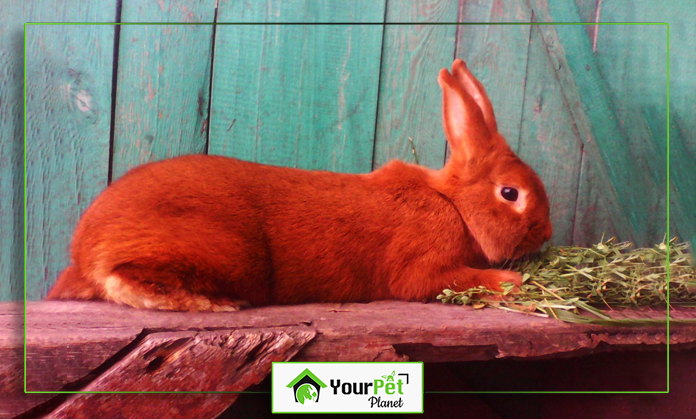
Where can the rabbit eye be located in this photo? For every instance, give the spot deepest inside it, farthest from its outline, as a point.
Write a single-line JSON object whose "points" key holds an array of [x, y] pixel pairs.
{"points": [[509, 194]]}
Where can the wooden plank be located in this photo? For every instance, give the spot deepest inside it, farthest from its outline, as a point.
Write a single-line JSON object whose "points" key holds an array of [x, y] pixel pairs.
{"points": [[348, 332], [75, 354], [221, 360], [11, 151], [598, 210], [682, 112], [514, 65], [498, 56], [297, 95], [410, 101], [682, 115], [637, 192], [14, 400], [632, 61], [49, 321], [548, 140], [386, 330], [163, 82], [634, 74], [68, 116]]}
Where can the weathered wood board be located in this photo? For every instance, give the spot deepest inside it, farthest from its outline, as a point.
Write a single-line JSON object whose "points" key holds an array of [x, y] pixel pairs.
{"points": [[640, 200], [163, 82], [11, 151], [217, 361], [297, 95], [409, 115], [547, 125], [583, 105], [97, 346], [499, 56], [69, 70]]}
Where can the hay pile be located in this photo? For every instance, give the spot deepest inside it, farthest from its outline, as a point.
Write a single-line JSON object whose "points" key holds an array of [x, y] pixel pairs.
{"points": [[578, 284]]}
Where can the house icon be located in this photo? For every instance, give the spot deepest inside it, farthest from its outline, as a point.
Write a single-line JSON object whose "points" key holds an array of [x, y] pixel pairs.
{"points": [[306, 387]]}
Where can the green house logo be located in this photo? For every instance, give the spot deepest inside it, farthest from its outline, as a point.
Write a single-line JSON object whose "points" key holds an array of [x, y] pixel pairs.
{"points": [[306, 387]]}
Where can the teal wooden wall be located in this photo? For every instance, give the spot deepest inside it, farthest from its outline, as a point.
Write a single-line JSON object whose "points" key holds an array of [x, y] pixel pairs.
{"points": [[585, 105]]}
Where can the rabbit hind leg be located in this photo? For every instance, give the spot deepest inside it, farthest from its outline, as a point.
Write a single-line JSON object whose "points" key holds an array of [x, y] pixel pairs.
{"points": [[160, 289]]}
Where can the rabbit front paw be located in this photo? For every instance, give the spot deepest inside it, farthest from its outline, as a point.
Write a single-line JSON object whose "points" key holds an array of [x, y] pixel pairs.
{"points": [[493, 279]]}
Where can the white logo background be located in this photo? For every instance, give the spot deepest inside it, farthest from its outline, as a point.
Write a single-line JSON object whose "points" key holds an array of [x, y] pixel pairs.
{"points": [[411, 400]]}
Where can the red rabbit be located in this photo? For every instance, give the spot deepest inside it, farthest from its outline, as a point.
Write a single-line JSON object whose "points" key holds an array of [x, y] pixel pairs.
{"points": [[201, 233]]}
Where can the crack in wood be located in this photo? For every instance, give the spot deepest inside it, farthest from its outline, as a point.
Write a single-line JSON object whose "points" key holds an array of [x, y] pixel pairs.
{"points": [[198, 344], [220, 361]]}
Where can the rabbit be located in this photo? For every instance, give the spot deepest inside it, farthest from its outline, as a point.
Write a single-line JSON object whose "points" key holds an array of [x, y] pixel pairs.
{"points": [[212, 233]]}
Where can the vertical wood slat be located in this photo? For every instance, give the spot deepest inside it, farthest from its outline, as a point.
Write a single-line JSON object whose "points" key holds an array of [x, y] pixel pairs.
{"points": [[682, 114], [638, 83], [163, 82], [549, 141], [297, 95], [11, 152], [593, 210], [636, 79], [598, 210], [498, 56], [68, 113], [410, 100], [635, 190], [643, 91]]}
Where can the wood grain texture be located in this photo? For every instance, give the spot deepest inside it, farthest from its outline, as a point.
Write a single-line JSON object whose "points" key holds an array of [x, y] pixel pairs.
{"points": [[385, 330], [298, 95], [590, 11], [598, 210], [638, 194], [308, 96], [636, 79], [68, 116], [610, 60], [347, 332], [14, 400], [163, 82], [682, 113], [643, 72], [498, 56], [549, 140], [222, 360], [410, 100], [11, 152]]}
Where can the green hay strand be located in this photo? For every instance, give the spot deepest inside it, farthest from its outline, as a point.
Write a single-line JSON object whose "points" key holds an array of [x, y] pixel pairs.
{"points": [[584, 285]]}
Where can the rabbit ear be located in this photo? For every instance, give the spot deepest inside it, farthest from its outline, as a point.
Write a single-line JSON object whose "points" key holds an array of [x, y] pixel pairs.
{"points": [[474, 88], [465, 127]]}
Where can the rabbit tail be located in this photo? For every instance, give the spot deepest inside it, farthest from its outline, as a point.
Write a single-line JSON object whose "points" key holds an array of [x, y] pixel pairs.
{"points": [[71, 285]]}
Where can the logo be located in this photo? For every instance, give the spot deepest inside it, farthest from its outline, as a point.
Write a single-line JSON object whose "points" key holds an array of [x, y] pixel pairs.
{"points": [[378, 388], [306, 387], [352, 387]]}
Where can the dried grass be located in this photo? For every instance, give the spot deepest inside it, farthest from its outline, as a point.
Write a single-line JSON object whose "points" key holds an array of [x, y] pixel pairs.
{"points": [[579, 284]]}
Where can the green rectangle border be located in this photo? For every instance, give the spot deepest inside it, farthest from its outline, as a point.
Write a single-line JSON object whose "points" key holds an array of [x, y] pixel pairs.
{"points": [[325, 23]]}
